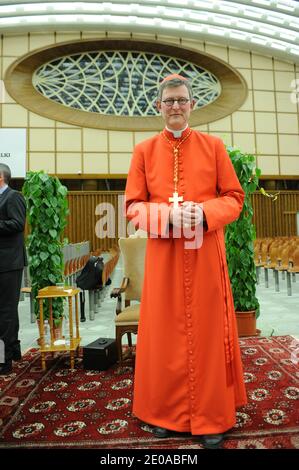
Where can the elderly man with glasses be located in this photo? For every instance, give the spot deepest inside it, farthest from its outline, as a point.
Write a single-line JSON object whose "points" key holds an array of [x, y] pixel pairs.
{"points": [[182, 184]]}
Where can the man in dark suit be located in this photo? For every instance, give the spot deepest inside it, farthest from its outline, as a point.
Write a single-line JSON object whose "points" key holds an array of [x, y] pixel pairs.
{"points": [[12, 262]]}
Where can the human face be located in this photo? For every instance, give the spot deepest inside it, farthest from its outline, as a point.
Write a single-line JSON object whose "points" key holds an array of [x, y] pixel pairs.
{"points": [[176, 117], [2, 182]]}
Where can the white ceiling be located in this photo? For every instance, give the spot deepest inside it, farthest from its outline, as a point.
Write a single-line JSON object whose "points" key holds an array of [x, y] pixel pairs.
{"points": [[269, 27]]}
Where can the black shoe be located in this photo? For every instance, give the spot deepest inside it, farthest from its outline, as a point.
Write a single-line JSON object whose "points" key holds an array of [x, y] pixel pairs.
{"points": [[16, 351], [161, 432], [17, 355], [6, 368], [212, 441]]}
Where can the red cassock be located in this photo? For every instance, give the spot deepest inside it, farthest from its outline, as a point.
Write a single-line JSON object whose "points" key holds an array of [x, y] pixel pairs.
{"points": [[188, 374]]}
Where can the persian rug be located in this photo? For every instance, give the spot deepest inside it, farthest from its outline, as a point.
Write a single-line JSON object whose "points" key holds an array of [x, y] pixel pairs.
{"points": [[81, 409]]}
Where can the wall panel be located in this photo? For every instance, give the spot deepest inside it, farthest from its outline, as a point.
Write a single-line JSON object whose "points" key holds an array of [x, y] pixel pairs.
{"points": [[271, 218], [265, 125]]}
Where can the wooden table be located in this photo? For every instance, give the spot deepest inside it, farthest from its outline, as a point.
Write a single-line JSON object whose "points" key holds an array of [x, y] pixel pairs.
{"points": [[49, 293]]}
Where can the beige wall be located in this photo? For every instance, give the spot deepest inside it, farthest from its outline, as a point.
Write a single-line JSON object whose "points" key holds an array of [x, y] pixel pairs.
{"points": [[266, 124]]}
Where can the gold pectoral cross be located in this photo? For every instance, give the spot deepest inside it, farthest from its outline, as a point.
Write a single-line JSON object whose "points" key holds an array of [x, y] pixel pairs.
{"points": [[176, 199]]}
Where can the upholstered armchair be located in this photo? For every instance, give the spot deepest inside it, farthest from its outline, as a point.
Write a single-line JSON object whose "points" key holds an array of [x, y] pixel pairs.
{"points": [[127, 318]]}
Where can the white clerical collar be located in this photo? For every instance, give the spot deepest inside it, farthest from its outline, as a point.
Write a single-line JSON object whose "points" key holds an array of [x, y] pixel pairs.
{"points": [[3, 188], [178, 133]]}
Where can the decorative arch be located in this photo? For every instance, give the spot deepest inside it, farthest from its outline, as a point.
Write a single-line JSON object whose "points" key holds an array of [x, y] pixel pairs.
{"points": [[26, 78]]}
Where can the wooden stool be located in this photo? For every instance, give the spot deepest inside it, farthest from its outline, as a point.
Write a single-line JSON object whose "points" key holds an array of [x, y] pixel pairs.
{"points": [[50, 293]]}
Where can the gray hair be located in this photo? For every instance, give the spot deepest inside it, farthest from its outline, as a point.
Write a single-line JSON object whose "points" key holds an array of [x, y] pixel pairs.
{"points": [[175, 82], [5, 170]]}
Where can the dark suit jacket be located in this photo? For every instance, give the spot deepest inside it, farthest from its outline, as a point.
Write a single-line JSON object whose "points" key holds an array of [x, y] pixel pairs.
{"points": [[12, 224]]}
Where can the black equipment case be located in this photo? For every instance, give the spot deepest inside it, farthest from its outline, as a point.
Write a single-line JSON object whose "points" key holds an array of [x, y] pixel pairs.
{"points": [[100, 354]]}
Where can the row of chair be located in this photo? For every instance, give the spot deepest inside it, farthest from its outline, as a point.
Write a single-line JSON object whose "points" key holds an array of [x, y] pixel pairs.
{"points": [[72, 268], [280, 254], [96, 296]]}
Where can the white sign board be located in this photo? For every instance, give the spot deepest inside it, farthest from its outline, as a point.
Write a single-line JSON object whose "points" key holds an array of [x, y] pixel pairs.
{"points": [[13, 151]]}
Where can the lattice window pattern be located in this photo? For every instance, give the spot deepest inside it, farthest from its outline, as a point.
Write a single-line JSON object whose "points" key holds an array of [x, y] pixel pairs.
{"points": [[120, 83]]}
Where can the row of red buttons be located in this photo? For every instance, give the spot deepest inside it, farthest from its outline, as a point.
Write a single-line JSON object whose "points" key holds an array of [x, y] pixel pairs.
{"points": [[187, 283]]}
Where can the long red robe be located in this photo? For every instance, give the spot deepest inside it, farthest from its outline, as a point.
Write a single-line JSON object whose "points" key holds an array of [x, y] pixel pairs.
{"points": [[188, 374]]}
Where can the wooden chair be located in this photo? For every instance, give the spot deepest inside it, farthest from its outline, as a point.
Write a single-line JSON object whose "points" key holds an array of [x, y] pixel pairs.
{"points": [[126, 320], [272, 261], [264, 250], [284, 262], [257, 258]]}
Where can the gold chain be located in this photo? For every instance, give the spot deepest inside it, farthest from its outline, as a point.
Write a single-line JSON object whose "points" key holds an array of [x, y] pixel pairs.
{"points": [[175, 149]]}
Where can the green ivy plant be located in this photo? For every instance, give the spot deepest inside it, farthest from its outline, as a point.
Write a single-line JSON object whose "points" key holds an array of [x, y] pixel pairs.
{"points": [[240, 235], [47, 211]]}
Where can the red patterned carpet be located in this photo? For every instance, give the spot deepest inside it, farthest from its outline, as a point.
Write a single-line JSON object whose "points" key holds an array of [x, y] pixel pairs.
{"points": [[64, 408]]}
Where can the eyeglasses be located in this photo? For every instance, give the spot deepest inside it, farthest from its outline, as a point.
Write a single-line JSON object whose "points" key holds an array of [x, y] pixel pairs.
{"points": [[180, 101]]}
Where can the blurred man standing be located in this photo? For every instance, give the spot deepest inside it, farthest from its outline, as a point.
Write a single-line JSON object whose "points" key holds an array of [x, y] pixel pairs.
{"points": [[12, 262]]}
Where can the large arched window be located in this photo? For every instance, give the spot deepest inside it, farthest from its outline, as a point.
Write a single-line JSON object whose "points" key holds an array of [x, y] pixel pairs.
{"points": [[112, 84], [120, 83]]}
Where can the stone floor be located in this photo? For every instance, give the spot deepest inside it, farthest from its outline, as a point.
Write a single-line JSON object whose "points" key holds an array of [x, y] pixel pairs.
{"points": [[279, 313]]}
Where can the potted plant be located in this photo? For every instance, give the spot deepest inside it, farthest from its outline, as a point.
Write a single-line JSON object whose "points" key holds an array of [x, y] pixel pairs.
{"points": [[239, 238], [47, 211]]}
